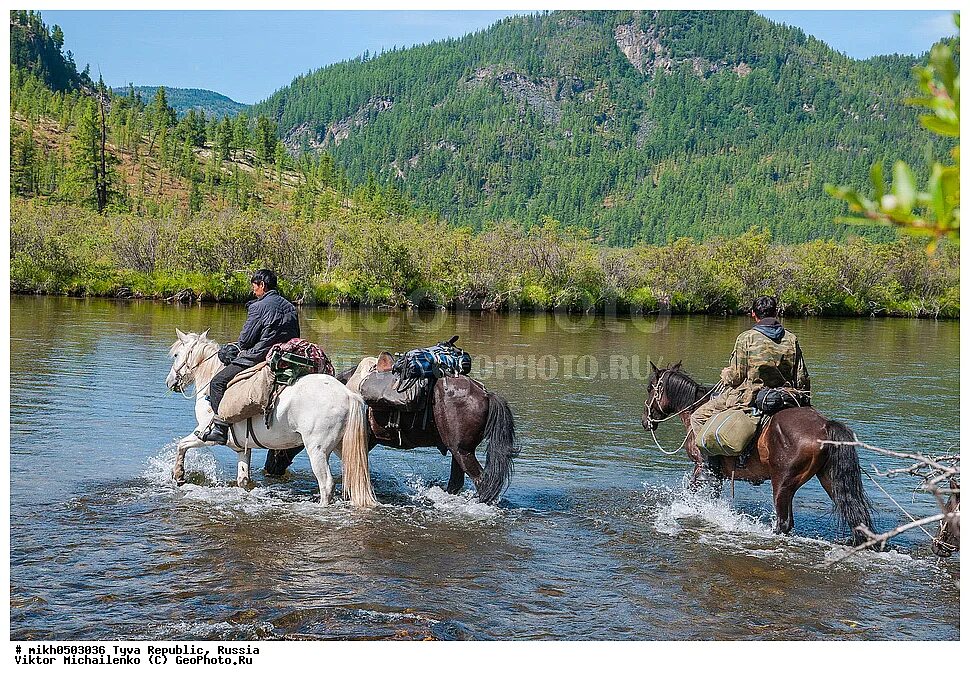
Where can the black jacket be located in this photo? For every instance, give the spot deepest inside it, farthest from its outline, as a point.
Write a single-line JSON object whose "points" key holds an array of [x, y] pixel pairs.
{"points": [[272, 319]]}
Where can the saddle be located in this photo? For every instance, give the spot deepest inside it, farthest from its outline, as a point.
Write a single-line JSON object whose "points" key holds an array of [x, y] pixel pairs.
{"points": [[255, 390], [387, 391]]}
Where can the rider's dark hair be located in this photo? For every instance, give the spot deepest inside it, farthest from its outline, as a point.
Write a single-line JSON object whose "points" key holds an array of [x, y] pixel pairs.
{"points": [[267, 277], [765, 306]]}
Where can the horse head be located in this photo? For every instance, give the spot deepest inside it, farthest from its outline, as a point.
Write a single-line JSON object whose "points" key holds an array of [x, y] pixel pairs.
{"points": [[363, 368], [186, 354], [947, 540], [659, 404]]}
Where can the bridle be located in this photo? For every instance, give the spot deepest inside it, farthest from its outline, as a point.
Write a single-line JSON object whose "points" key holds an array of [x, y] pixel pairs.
{"points": [[184, 374], [655, 396]]}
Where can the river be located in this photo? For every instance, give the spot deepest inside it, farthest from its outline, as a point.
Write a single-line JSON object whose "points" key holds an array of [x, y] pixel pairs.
{"points": [[594, 539]]}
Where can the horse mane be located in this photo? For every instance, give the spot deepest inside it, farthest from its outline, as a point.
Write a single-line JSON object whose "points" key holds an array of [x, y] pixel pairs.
{"points": [[681, 389], [201, 357]]}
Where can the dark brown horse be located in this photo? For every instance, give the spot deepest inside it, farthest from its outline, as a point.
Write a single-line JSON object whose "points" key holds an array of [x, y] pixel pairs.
{"points": [[788, 451], [462, 415], [947, 540]]}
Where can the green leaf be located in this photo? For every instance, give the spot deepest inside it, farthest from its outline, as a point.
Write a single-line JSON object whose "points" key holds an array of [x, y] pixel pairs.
{"points": [[864, 222], [941, 58], [904, 186], [928, 102], [937, 197], [878, 184], [934, 123]]}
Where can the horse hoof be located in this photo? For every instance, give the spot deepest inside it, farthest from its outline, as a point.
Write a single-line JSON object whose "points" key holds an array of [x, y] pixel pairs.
{"points": [[179, 481]]}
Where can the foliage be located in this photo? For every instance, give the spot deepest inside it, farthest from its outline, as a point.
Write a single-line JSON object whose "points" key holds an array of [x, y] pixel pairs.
{"points": [[35, 49], [935, 210], [354, 258]]}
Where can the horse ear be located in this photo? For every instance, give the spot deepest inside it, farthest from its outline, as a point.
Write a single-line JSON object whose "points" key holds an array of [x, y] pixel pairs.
{"points": [[204, 335], [677, 365], [654, 367], [385, 361], [182, 336]]}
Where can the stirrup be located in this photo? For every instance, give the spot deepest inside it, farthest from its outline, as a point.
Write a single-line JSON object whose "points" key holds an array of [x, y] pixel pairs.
{"points": [[215, 433]]}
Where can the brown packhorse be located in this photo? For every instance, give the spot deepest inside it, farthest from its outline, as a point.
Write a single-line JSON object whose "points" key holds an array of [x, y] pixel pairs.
{"points": [[462, 415], [788, 451]]}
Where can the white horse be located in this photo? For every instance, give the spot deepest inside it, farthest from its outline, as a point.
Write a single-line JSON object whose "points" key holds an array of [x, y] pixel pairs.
{"points": [[317, 412]]}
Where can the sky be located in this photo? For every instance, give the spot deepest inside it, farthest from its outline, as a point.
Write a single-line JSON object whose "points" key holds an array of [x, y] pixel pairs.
{"points": [[248, 55]]}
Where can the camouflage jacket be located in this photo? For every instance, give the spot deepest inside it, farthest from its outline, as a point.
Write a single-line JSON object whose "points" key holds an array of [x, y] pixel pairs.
{"points": [[766, 356]]}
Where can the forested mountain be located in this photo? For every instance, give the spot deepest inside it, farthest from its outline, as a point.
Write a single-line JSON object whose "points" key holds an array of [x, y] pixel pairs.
{"points": [[114, 194], [36, 50], [635, 125], [212, 104]]}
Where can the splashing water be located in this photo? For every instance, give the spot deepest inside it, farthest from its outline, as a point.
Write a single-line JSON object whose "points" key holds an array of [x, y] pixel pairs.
{"points": [[464, 504], [200, 465]]}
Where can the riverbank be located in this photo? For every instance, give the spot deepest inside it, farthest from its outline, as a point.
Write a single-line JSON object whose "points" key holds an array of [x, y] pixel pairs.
{"points": [[362, 261]]}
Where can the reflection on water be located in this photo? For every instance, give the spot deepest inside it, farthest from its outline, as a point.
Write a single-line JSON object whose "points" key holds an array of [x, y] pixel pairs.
{"points": [[595, 539]]}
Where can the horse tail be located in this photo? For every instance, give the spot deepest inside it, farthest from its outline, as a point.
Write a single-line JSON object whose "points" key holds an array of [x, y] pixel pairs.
{"points": [[852, 505], [357, 485], [502, 448]]}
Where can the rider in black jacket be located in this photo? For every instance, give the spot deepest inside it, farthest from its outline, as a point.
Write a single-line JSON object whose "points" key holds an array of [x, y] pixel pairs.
{"points": [[272, 319]]}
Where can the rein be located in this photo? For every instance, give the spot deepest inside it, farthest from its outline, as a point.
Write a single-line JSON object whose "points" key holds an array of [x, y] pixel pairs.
{"points": [[656, 396]]}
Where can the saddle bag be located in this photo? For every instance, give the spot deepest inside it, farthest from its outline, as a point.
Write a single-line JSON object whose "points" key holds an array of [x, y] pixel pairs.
{"points": [[728, 432], [443, 359], [772, 400], [297, 358], [249, 394], [387, 391]]}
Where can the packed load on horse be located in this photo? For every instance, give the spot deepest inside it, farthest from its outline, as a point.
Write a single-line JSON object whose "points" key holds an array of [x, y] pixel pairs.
{"points": [[766, 374], [405, 386]]}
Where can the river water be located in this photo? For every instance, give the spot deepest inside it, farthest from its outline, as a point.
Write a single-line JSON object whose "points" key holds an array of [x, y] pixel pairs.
{"points": [[595, 538]]}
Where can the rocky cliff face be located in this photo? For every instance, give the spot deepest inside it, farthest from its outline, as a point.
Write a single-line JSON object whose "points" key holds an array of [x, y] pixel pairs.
{"points": [[647, 53], [543, 95]]}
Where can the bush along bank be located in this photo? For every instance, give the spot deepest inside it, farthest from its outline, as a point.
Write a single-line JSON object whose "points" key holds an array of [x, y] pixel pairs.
{"points": [[357, 259]]}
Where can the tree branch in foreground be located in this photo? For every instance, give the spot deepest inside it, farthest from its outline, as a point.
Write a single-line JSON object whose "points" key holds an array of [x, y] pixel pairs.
{"points": [[934, 471]]}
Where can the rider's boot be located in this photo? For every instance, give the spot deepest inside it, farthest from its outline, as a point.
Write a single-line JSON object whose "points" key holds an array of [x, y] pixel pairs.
{"points": [[216, 433]]}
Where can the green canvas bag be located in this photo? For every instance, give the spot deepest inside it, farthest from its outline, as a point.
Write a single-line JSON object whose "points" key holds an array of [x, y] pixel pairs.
{"points": [[728, 432]]}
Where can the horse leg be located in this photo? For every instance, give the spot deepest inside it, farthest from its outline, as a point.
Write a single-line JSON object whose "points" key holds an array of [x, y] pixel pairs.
{"points": [[469, 464], [457, 480], [185, 444], [242, 467], [320, 463], [784, 492]]}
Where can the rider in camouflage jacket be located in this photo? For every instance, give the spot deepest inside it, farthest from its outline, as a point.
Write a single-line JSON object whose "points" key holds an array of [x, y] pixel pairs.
{"points": [[765, 356]]}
